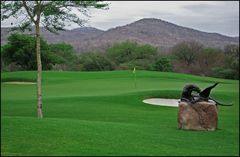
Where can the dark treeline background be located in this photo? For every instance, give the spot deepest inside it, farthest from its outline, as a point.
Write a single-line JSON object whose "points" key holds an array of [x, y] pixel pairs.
{"points": [[185, 57]]}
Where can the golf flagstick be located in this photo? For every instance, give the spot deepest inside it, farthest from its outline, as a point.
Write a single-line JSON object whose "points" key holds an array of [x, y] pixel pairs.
{"points": [[134, 73]]}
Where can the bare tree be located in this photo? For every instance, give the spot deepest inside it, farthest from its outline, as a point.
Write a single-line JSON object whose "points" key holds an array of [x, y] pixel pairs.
{"points": [[187, 51], [210, 58]]}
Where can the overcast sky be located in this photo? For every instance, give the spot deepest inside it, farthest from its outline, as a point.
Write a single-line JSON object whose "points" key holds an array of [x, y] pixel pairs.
{"points": [[209, 16]]}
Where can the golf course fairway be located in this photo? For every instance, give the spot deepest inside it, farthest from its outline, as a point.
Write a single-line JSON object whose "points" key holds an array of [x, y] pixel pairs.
{"points": [[102, 113]]}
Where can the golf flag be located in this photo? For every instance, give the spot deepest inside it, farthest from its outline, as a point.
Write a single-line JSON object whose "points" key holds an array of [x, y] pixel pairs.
{"points": [[134, 70], [134, 73]]}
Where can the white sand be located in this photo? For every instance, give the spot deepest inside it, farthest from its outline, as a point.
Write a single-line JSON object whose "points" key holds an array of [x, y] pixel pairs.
{"points": [[19, 82], [162, 102]]}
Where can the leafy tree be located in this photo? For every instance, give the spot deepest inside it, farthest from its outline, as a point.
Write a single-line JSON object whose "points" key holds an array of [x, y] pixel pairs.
{"points": [[53, 15], [64, 55], [144, 56], [122, 52], [187, 51], [232, 59], [20, 50], [162, 64], [95, 62], [145, 51], [130, 54]]}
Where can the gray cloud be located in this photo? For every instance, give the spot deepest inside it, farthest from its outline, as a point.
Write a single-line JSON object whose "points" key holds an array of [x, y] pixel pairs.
{"points": [[200, 8], [222, 17], [210, 16]]}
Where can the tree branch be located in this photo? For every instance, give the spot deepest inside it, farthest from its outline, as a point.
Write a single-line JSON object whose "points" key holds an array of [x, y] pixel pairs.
{"points": [[38, 11], [28, 12]]}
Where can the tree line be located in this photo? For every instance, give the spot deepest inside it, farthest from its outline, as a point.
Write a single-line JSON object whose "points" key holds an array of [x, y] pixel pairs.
{"points": [[185, 57]]}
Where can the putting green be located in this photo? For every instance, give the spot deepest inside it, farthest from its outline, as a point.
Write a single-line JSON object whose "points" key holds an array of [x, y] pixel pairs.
{"points": [[102, 113]]}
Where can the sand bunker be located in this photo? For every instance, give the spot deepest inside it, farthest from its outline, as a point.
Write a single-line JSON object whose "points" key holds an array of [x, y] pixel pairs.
{"points": [[19, 82], [162, 102]]}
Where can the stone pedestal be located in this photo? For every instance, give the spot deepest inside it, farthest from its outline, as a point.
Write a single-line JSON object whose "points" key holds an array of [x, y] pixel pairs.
{"points": [[198, 116]]}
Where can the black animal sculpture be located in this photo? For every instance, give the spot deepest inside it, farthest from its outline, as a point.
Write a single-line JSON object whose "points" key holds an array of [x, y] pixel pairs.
{"points": [[187, 92], [204, 95]]}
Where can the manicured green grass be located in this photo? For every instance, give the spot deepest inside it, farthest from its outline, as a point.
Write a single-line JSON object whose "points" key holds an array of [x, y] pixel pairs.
{"points": [[101, 113]]}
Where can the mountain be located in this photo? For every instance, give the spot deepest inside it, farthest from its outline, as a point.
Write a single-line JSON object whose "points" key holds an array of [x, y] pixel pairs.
{"points": [[72, 35], [62, 36], [156, 32]]}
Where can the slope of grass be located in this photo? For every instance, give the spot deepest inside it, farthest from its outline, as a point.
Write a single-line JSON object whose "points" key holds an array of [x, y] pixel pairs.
{"points": [[101, 113]]}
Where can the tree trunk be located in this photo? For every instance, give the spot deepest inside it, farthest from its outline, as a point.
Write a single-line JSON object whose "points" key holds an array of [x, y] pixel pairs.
{"points": [[39, 73]]}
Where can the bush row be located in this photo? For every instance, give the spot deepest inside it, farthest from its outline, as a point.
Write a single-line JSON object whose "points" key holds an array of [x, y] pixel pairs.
{"points": [[185, 57]]}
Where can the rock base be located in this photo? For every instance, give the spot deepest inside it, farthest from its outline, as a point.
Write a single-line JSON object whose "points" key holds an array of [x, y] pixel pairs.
{"points": [[198, 116]]}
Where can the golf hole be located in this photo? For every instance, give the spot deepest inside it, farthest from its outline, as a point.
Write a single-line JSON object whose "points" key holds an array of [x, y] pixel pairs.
{"points": [[162, 102]]}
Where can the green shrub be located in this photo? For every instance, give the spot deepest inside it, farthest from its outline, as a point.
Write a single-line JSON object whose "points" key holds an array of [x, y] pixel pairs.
{"points": [[95, 62], [162, 64], [20, 51], [127, 55], [221, 72]]}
